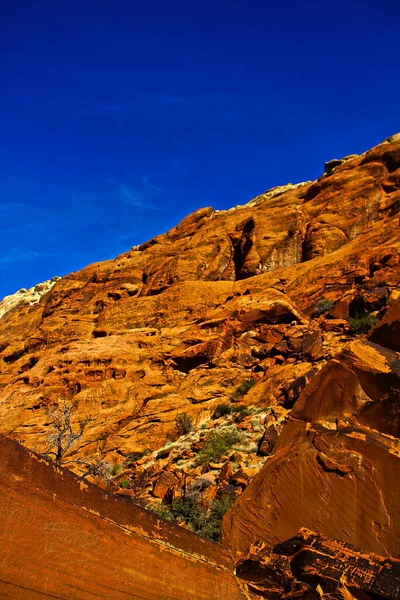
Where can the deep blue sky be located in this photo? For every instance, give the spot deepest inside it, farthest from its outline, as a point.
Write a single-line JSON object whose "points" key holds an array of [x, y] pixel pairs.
{"points": [[119, 117]]}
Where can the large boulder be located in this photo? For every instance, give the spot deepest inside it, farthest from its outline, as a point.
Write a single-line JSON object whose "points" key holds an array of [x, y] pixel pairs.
{"points": [[336, 466]]}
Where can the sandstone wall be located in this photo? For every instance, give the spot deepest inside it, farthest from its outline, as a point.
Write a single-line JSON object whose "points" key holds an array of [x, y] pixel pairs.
{"points": [[61, 538]]}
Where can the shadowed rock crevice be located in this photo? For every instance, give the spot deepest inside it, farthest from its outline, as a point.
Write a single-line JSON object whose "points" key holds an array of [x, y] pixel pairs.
{"points": [[242, 243]]}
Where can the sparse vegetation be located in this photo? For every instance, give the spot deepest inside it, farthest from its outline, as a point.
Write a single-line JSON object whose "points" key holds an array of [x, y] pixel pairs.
{"points": [[63, 433], [203, 522], [243, 389], [116, 470], [161, 510], [184, 423], [240, 413], [125, 484], [323, 306], [222, 410], [217, 444], [362, 324]]}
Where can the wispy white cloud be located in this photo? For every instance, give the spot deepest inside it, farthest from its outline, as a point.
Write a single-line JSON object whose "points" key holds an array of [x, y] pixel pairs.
{"points": [[130, 195], [140, 193], [15, 255], [150, 187]]}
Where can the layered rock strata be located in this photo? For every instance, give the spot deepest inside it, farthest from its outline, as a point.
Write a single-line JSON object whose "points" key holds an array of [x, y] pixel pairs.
{"points": [[62, 538]]}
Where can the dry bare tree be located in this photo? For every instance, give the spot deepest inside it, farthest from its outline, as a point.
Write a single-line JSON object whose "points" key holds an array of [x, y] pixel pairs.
{"points": [[64, 434]]}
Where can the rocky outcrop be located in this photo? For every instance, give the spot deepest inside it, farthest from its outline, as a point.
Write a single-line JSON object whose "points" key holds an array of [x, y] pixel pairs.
{"points": [[63, 538], [27, 297], [311, 566], [335, 468], [226, 320]]}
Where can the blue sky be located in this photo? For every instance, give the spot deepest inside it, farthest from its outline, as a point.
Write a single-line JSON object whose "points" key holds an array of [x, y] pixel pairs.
{"points": [[118, 118]]}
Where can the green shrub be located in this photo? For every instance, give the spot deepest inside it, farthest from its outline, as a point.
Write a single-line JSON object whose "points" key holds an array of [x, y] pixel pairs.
{"points": [[125, 484], [322, 306], [203, 522], [161, 510], [187, 510], [222, 409], [135, 456], [184, 423], [116, 469], [217, 444], [210, 524], [362, 324], [243, 389]]}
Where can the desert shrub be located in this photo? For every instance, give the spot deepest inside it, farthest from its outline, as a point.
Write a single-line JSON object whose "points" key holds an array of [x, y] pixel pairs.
{"points": [[217, 443], [363, 323], [186, 509], [184, 423], [322, 306], [125, 484], [161, 510], [115, 470], [243, 389], [210, 524], [203, 522], [134, 456], [240, 413], [222, 409]]}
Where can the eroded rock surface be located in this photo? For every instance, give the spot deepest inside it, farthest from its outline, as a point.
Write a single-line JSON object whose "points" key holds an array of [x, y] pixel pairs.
{"points": [[335, 468], [257, 308], [311, 566]]}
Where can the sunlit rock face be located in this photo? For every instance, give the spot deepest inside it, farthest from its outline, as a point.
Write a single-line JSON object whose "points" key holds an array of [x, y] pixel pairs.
{"points": [[26, 297], [247, 307]]}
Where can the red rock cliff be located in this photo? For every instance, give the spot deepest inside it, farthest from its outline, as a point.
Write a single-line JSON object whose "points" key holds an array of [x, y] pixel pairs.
{"points": [[181, 324], [61, 538]]}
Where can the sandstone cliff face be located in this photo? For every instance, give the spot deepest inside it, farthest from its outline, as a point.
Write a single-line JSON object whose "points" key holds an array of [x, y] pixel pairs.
{"points": [[177, 325], [336, 465], [62, 538], [67, 539]]}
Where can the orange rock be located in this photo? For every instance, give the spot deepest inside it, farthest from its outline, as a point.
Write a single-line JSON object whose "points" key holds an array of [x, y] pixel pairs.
{"points": [[225, 472], [175, 326], [336, 465], [164, 483]]}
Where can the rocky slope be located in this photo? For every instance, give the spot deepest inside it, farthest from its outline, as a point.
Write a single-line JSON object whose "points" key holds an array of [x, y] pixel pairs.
{"points": [[236, 339]]}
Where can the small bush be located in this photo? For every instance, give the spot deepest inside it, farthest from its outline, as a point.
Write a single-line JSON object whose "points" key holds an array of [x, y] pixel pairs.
{"points": [[184, 423], [240, 413], [362, 324], [161, 510], [125, 484], [217, 444], [322, 306], [203, 522], [115, 470], [243, 389], [222, 410], [211, 526], [135, 456]]}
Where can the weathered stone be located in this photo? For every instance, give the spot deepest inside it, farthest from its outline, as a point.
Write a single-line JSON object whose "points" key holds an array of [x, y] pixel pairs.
{"points": [[65, 538], [336, 465], [163, 484], [225, 472], [310, 565]]}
